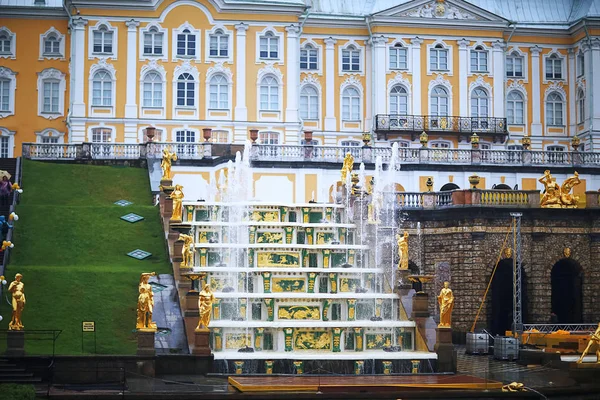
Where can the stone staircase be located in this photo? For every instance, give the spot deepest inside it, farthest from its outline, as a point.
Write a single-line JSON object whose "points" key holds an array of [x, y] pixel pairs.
{"points": [[13, 373]]}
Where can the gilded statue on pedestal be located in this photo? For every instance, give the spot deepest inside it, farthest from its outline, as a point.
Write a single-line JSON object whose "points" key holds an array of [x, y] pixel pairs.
{"points": [[165, 164], [145, 305], [177, 197], [18, 303], [205, 302], [403, 251], [347, 167], [567, 199], [446, 302], [556, 196], [187, 251], [595, 338]]}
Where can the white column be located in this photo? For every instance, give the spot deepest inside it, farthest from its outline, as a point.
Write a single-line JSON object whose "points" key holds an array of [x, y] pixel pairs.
{"points": [[572, 89], [370, 79], [380, 86], [536, 118], [77, 67], [499, 76], [594, 95], [463, 70], [240, 112], [131, 110], [416, 73], [293, 73], [330, 120]]}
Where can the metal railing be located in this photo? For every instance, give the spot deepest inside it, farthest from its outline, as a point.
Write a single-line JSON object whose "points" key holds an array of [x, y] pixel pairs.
{"points": [[419, 123], [549, 328]]}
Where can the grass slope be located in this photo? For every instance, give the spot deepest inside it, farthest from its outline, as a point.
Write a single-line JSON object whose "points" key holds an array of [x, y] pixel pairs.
{"points": [[70, 246]]}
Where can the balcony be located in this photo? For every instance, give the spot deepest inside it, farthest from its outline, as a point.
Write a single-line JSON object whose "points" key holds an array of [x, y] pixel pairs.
{"points": [[495, 128]]}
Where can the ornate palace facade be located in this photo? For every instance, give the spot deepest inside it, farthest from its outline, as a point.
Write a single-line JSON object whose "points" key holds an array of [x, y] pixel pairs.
{"points": [[102, 71]]}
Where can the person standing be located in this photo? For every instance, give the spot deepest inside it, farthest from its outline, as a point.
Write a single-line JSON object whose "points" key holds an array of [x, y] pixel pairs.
{"points": [[5, 191]]}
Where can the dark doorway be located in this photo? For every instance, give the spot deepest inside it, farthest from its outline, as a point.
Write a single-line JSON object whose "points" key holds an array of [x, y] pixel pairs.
{"points": [[502, 298], [567, 290]]}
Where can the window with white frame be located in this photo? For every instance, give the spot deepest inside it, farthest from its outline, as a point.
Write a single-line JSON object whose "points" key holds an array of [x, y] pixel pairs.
{"points": [[309, 58], [479, 103], [153, 90], [184, 137], [220, 136], [219, 92], [50, 140], [438, 58], [398, 57], [515, 106], [268, 137], [186, 89], [102, 89], [439, 102], [153, 42], [351, 104], [219, 44], [580, 64], [351, 59], [5, 42], [485, 146], [52, 45], [51, 99], [186, 43], [439, 144], [479, 59], [103, 40], [554, 109], [580, 106], [555, 148], [269, 46], [309, 103], [514, 65], [4, 147], [554, 69], [5, 94], [398, 100], [269, 94], [101, 135]]}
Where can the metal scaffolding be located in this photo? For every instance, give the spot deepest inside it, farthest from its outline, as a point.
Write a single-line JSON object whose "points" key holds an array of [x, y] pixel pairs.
{"points": [[517, 326]]}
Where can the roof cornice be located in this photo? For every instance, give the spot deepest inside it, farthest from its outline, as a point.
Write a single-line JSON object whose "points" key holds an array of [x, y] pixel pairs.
{"points": [[225, 6], [33, 12]]}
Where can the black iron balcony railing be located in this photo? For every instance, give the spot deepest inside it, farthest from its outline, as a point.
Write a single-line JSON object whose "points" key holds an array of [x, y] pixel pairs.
{"points": [[453, 124]]}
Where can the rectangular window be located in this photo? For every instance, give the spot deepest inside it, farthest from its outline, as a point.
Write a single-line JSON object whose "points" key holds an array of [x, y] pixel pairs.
{"points": [[4, 153], [269, 47], [103, 42], [153, 44], [4, 95], [51, 46], [220, 136], [101, 135], [186, 44], [479, 61], [438, 60], [514, 67], [553, 68], [50, 97], [580, 64], [308, 59], [398, 58], [52, 140], [185, 136], [5, 45], [351, 60], [218, 46]]}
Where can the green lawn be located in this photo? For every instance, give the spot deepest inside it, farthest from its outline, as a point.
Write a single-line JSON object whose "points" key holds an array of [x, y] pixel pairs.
{"points": [[70, 246]]}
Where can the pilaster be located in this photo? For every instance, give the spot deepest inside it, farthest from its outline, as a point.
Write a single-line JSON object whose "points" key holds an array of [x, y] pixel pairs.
{"points": [[536, 118], [379, 87], [499, 77], [330, 120], [293, 73], [594, 94], [131, 110], [241, 112], [572, 90], [416, 81], [463, 68], [77, 66]]}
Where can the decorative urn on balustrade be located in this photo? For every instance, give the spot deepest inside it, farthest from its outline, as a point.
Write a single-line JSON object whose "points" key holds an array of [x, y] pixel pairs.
{"points": [[526, 142], [474, 141], [150, 133], [253, 135], [474, 181], [575, 142], [206, 134], [424, 138]]}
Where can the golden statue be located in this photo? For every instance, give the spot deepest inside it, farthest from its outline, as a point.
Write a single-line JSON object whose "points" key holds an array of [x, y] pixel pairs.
{"points": [[145, 304], [595, 338], [566, 198], [165, 164], [18, 303], [403, 251], [205, 302], [446, 302], [551, 196], [347, 167], [187, 251], [177, 197]]}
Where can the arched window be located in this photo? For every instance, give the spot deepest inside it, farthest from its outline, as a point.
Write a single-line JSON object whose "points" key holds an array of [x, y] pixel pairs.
{"points": [[5, 93], [398, 59], [269, 94], [351, 59], [153, 42], [439, 101], [438, 58], [103, 40], [580, 106], [5, 42], [269, 46], [51, 45], [479, 103], [309, 103], [515, 108], [153, 90], [309, 58], [186, 88], [102, 89], [186, 44], [398, 100], [219, 92], [554, 109], [219, 44], [351, 104], [479, 59], [554, 67]]}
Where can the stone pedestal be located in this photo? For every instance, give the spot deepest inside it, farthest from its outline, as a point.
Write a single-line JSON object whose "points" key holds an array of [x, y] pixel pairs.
{"points": [[191, 303], [177, 255], [201, 342], [145, 343], [403, 284], [167, 207], [445, 350], [15, 343], [420, 305]]}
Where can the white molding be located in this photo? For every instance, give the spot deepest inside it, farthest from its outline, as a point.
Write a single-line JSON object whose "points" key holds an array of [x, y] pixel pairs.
{"points": [[525, 57], [399, 80], [100, 66], [115, 41], [408, 48], [440, 81], [219, 69], [280, 47], [361, 49], [165, 44], [54, 75], [7, 73], [50, 132], [61, 45], [194, 31], [555, 86], [153, 66], [320, 60], [563, 61], [186, 67], [450, 70], [207, 34], [310, 80], [11, 140], [13, 44], [479, 82]]}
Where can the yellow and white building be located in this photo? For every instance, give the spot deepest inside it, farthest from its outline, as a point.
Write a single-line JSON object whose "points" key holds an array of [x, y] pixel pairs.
{"points": [[103, 70]]}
